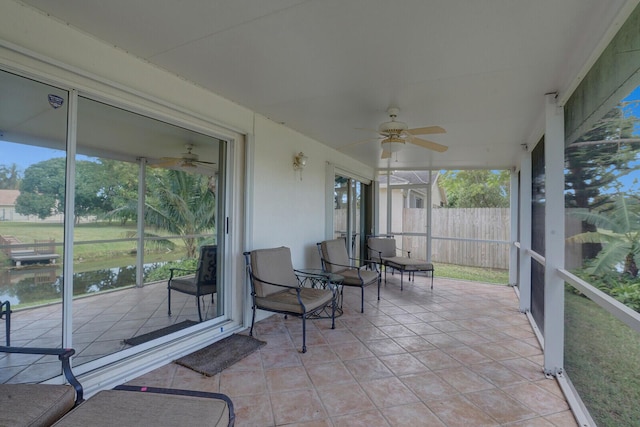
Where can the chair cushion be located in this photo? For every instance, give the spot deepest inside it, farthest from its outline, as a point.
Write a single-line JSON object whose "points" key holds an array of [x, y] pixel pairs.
{"points": [[34, 404], [385, 246], [188, 286], [407, 264], [287, 300], [351, 277], [335, 252], [272, 265], [128, 408]]}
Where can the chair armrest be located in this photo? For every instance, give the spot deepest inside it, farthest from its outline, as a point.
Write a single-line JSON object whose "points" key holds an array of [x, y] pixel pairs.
{"points": [[186, 270], [64, 355], [180, 392], [282, 285]]}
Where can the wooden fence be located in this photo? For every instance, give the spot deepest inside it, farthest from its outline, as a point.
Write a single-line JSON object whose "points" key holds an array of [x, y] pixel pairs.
{"points": [[451, 228], [486, 225]]}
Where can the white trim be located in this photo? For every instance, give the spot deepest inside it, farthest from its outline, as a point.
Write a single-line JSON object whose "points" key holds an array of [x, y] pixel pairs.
{"points": [[617, 309], [69, 220], [580, 411]]}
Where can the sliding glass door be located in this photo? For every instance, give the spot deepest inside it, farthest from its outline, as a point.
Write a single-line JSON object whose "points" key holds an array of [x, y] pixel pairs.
{"points": [[135, 197], [351, 212]]}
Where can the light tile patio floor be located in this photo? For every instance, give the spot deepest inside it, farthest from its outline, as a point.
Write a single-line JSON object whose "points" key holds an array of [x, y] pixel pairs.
{"points": [[460, 355]]}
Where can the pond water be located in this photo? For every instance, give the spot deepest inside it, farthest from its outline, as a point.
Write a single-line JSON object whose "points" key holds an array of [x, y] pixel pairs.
{"points": [[44, 283]]}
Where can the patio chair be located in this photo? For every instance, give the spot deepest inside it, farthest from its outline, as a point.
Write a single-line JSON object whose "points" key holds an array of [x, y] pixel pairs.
{"points": [[125, 405], [39, 404], [203, 281], [275, 287], [383, 250], [5, 311], [334, 258]]}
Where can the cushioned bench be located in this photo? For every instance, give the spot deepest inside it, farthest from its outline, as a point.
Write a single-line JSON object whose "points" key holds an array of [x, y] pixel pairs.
{"points": [[63, 405], [151, 406], [383, 250]]}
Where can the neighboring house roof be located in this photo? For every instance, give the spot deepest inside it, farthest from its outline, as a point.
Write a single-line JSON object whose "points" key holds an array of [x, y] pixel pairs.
{"points": [[8, 197]]}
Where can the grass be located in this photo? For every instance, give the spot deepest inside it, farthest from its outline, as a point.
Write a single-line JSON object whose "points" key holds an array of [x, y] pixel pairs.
{"points": [[602, 356], [476, 274], [93, 254]]}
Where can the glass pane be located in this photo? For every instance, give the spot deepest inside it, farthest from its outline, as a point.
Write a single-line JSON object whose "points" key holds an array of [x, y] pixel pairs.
{"points": [[33, 128], [357, 220], [122, 256], [602, 206], [341, 206]]}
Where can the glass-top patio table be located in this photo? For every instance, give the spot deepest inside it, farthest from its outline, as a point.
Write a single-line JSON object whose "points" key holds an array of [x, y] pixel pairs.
{"points": [[318, 278]]}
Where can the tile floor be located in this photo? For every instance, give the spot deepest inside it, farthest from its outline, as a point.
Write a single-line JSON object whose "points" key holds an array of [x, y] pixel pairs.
{"points": [[460, 355], [101, 323]]}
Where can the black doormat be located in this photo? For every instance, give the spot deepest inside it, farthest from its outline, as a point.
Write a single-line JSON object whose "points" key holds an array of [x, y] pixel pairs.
{"points": [[220, 355], [160, 332]]}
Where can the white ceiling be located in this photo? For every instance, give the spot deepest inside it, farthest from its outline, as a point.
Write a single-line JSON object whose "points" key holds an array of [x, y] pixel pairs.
{"points": [[331, 68]]}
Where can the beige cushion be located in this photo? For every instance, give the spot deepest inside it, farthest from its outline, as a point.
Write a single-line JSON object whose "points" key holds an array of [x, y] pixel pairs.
{"points": [[272, 265], [366, 277], [189, 286], [129, 408], [287, 300], [335, 252], [381, 246], [34, 404], [407, 264]]}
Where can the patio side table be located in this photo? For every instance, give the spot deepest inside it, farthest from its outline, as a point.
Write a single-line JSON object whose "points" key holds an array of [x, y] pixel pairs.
{"points": [[319, 279]]}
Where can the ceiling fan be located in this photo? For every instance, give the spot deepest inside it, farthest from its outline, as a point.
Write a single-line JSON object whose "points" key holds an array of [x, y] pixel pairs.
{"points": [[186, 160], [396, 134]]}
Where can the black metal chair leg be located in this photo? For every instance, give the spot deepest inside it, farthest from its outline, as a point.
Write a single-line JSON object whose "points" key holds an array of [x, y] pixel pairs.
{"points": [[253, 320], [304, 333], [169, 302], [199, 309], [7, 314]]}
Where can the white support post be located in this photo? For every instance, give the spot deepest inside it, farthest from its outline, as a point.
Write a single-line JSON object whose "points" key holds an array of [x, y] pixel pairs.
{"points": [[513, 212], [554, 237], [525, 233]]}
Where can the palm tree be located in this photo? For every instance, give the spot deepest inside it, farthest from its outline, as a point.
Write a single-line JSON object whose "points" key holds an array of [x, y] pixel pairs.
{"points": [[182, 204], [618, 230]]}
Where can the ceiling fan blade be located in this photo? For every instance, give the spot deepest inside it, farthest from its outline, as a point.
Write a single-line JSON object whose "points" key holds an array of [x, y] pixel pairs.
{"points": [[429, 130], [166, 162], [202, 162], [385, 154], [428, 144]]}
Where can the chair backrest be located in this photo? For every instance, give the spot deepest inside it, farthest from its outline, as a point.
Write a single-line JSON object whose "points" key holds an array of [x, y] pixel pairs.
{"points": [[271, 265], [381, 246], [334, 252], [207, 265]]}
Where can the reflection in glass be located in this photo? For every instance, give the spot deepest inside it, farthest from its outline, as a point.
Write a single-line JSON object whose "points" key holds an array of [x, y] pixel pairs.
{"points": [[33, 121], [602, 204]]}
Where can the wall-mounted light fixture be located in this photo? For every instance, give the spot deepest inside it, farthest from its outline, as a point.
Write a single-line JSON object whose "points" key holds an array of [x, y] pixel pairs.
{"points": [[299, 163]]}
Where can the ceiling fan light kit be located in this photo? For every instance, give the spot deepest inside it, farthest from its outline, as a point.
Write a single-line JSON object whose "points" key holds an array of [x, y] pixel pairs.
{"points": [[392, 144]]}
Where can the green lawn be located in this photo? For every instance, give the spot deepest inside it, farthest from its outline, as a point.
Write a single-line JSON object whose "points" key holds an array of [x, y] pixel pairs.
{"points": [[476, 274], [602, 359], [91, 253]]}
